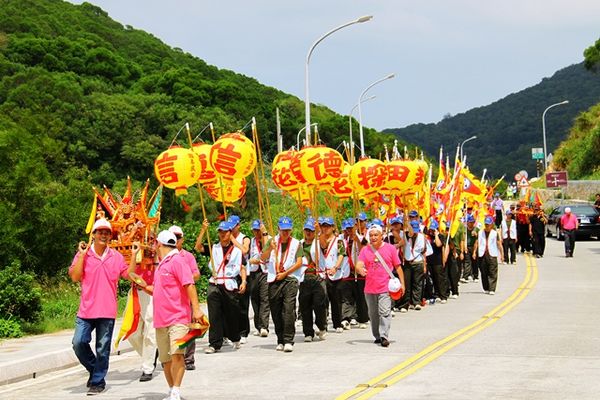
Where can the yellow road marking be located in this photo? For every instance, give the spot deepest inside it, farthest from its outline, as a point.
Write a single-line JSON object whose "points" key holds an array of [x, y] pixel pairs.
{"points": [[437, 349]]}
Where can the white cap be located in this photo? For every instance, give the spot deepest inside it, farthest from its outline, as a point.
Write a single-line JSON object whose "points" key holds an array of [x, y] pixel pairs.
{"points": [[167, 238], [102, 223], [176, 230], [394, 285], [568, 210]]}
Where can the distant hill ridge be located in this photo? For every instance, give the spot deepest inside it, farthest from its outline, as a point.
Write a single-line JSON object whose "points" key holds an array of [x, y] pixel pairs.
{"points": [[508, 128]]}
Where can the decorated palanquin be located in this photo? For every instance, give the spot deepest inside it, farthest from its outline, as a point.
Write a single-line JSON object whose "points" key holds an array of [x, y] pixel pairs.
{"points": [[133, 217]]}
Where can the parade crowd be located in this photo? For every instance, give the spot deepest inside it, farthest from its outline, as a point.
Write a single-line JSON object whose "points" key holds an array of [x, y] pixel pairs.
{"points": [[358, 276]]}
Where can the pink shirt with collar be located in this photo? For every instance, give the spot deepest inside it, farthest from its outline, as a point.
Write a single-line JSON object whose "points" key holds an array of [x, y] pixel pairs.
{"points": [[377, 278], [99, 283], [190, 260], [171, 302]]}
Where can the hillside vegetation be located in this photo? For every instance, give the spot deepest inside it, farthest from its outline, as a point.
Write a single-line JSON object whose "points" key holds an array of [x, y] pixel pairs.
{"points": [[86, 101], [508, 128]]}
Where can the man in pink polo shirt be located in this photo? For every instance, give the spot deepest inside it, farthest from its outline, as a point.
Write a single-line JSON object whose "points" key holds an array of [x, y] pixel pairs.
{"points": [[569, 224], [370, 265], [190, 260], [173, 291], [97, 268]]}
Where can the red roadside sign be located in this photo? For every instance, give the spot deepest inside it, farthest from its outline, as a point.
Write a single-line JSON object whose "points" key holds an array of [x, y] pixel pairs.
{"points": [[556, 179]]}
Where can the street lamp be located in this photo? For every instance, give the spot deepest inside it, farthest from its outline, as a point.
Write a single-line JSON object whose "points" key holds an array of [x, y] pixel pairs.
{"points": [[360, 99], [350, 125], [461, 145], [298, 135], [544, 130], [310, 50]]}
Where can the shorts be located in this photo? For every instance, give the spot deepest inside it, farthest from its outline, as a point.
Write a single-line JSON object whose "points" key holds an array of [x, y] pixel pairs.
{"points": [[165, 341]]}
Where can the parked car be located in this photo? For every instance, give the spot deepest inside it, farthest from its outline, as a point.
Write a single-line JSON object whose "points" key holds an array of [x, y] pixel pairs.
{"points": [[588, 217]]}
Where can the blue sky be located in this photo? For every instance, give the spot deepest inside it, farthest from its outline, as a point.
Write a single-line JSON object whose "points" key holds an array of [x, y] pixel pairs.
{"points": [[448, 55]]}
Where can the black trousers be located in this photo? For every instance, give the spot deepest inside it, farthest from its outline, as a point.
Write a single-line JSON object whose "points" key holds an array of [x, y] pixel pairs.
{"points": [[223, 311], [244, 322], [312, 298], [509, 245], [569, 241], [335, 301], [539, 243], [282, 300], [259, 295], [440, 280], [489, 272], [470, 264], [413, 280], [523, 238], [453, 270], [362, 312]]}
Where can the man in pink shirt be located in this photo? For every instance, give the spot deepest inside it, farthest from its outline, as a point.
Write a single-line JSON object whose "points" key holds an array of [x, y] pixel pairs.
{"points": [[173, 291], [569, 224], [97, 268], [371, 266], [190, 260]]}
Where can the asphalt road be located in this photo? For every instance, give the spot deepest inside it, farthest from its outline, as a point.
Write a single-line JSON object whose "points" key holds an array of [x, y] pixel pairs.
{"points": [[537, 338]]}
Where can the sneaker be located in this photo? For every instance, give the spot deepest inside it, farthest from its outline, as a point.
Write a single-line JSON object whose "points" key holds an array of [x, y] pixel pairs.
{"points": [[339, 330], [411, 307], [299, 322], [256, 333], [148, 377], [322, 334], [236, 345], [264, 332], [346, 325], [403, 310], [463, 280], [417, 307], [288, 348], [513, 263], [476, 280], [384, 342], [393, 313], [94, 390], [308, 339], [443, 301], [226, 341], [210, 350], [454, 296], [362, 326], [438, 300], [377, 341], [279, 347], [486, 291], [470, 279], [353, 322], [188, 367], [491, 293], [243, 340]]}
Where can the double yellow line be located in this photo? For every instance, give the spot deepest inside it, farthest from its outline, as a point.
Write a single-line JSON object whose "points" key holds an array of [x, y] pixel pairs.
{"points": [[437, 349]]}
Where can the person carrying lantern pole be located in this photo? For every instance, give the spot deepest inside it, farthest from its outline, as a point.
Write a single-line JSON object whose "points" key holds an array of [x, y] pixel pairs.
{"points": [[257, 279], [331, 254], [242, 242], [312, 297], [354, 307], [284, 260], [414, 268], [223, 293]]}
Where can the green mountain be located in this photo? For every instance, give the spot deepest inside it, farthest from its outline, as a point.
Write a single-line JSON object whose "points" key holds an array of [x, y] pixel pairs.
{"points": [[579, 154], [85, 100], [508, 128]]}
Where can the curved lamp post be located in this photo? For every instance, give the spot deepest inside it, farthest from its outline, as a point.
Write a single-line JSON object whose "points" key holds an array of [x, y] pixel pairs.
{"points": [[350, 125], [360, 100], [298, 135], [544, 130], [462, 144], [308, 55]]}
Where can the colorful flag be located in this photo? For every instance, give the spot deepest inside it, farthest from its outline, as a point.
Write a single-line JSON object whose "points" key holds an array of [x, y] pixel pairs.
{"points": [[92, 218], [131, 316], [155, 202], [194, 333]]}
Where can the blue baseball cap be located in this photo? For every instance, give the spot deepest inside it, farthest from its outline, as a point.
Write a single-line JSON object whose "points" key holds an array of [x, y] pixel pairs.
{"points": [[377, 221], [508, 212], [397, 220], [413, 213], [233, 220], [488, 220], [344, 224], [362, 216], [416, 226], [350, 223], [285, 223], [326, 221], [224, 226], [470, 218], [256, 224], [434, 224], [310, 224]]}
